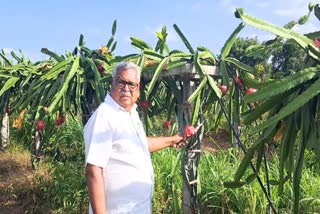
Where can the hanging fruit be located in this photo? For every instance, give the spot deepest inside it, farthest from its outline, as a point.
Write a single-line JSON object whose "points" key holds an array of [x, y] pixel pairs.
{"points": [[223, 89], [100, 69], [189, 131], [251, 91], [239, 81], [60, 120], [167, 124], [40, 125]]}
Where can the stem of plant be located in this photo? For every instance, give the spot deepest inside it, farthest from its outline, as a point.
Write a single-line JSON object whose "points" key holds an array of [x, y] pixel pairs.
{"points": [[240, 144]]}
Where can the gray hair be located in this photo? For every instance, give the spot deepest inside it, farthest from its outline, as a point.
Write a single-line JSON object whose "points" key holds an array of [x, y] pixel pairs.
{"points": [[125, 66]]}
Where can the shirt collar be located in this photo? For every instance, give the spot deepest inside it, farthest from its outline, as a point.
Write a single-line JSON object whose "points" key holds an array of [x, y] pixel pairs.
{"points": [[109, 100]]}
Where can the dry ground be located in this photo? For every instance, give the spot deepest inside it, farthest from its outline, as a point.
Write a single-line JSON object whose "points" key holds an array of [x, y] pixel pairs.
{"points": [[215, 141], [19, 192]]}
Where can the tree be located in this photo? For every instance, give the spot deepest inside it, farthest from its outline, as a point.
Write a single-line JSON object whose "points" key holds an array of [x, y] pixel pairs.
{"points": [[286, 59], [239, 51]]}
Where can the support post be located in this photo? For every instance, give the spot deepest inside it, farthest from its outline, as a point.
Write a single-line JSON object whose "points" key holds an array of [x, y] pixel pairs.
{"points": [[187, 89], [5, 131]]}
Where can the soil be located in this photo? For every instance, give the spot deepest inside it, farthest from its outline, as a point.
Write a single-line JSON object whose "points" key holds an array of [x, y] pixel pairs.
{"points": [[21, 193], [216, 140]]}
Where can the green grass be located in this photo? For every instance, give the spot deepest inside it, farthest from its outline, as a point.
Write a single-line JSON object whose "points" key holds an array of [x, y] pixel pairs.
{"points": [[214, 170], [59, 178]]}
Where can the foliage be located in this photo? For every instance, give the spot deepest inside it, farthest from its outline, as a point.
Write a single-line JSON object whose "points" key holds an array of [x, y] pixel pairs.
{"points": [[284, 111], [239, 51], [286, 59], [214, 170], [66, 188], [166, 190], [296, 109], [63, 184], [59, 176], [64, 150], [66, 144]]}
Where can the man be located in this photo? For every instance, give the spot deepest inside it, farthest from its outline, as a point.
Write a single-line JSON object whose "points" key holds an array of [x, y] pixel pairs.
{"points": [[118, 166]]}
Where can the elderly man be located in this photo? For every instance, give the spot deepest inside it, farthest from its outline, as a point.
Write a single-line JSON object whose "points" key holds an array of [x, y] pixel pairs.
{"points": [[119, 171]]}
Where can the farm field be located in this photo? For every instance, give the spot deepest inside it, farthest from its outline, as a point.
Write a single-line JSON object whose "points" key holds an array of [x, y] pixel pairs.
{"points": [[249, 116]]}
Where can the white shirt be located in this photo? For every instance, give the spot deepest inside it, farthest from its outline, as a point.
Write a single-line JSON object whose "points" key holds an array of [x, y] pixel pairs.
{"points": [[116, 141]]}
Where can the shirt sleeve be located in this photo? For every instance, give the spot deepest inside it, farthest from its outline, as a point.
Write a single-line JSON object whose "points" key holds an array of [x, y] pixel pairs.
{"points": [[98, 138]]}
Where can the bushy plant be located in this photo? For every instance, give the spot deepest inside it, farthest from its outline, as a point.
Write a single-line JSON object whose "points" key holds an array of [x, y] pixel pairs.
{"points": [[215, 169], [66, 190], [67, 142], [166, 187]]}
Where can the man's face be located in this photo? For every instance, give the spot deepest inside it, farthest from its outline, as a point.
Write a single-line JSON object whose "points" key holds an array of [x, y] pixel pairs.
{"points": [[125, 88]]}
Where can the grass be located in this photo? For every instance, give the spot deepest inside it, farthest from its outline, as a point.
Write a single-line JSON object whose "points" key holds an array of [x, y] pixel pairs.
{"points": [[214, 170], [57, 184]]}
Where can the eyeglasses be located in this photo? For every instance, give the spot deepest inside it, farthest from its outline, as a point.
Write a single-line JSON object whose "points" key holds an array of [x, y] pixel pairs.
{"points": [[132, 86]]}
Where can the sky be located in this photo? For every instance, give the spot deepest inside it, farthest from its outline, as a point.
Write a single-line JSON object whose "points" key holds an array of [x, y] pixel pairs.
{"points": [[57, 24]]}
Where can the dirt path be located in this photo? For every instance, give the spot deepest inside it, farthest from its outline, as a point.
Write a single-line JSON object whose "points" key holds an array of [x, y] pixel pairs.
{"points": [[19, 192]]}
